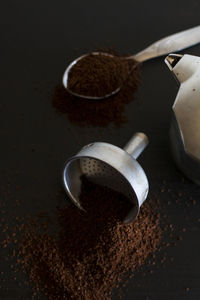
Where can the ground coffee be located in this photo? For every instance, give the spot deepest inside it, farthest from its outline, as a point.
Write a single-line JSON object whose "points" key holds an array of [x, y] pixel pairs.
{"points": [[102, 112], [99, 74], [172, 196], [91, 250]]}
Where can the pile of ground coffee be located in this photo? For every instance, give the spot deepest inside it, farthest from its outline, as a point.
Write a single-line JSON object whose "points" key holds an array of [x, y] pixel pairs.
{"points": [[91, 250], [98, 75], [99, 112], [174, 230]]}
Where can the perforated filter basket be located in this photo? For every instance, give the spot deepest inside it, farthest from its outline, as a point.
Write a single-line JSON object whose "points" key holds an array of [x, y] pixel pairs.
{"points": [[110, 166]]}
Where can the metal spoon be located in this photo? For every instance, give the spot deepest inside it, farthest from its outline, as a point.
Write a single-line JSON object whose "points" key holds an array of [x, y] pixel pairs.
{"points": [[175, 42]]}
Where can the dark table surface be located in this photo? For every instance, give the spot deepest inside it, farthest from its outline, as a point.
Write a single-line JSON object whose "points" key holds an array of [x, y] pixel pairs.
{"points": [[38, 40]]}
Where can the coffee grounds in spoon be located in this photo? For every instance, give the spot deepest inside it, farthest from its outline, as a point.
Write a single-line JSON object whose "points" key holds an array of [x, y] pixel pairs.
{"points": [[99, 113], [98, 75]]}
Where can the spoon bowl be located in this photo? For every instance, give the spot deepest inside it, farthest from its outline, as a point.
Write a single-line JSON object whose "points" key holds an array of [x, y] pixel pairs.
{"points": [[66, 78]]}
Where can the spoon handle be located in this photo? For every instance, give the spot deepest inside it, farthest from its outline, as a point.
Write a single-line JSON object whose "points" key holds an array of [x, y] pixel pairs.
{"points": [[174, 42]]}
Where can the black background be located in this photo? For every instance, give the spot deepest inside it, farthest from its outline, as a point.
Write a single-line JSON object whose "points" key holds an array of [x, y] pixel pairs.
{"points": [[38, 40]]}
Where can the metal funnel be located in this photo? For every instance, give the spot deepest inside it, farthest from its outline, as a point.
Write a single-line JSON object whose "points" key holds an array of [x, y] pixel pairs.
{"points": [[110, 166]]}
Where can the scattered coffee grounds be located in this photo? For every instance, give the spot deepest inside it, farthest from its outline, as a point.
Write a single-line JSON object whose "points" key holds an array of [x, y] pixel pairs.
{"points": [[38, 240], [99, 112], [98, 75], [91, 251]]}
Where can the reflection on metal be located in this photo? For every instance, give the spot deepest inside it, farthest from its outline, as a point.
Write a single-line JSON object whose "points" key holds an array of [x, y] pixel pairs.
{"points": [[185, 125]]}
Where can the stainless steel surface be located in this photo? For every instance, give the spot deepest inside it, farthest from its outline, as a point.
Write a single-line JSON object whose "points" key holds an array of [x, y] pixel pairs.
{"points": [[174, 42], [110, 166], [185, 126], [136, 145]]}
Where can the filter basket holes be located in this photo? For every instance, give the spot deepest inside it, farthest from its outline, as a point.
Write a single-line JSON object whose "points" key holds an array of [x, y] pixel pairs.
{"points": [[105, 175]]}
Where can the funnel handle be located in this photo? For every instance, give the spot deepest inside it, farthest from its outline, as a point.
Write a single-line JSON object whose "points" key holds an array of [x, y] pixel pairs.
{"points": [[136, 144]]}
